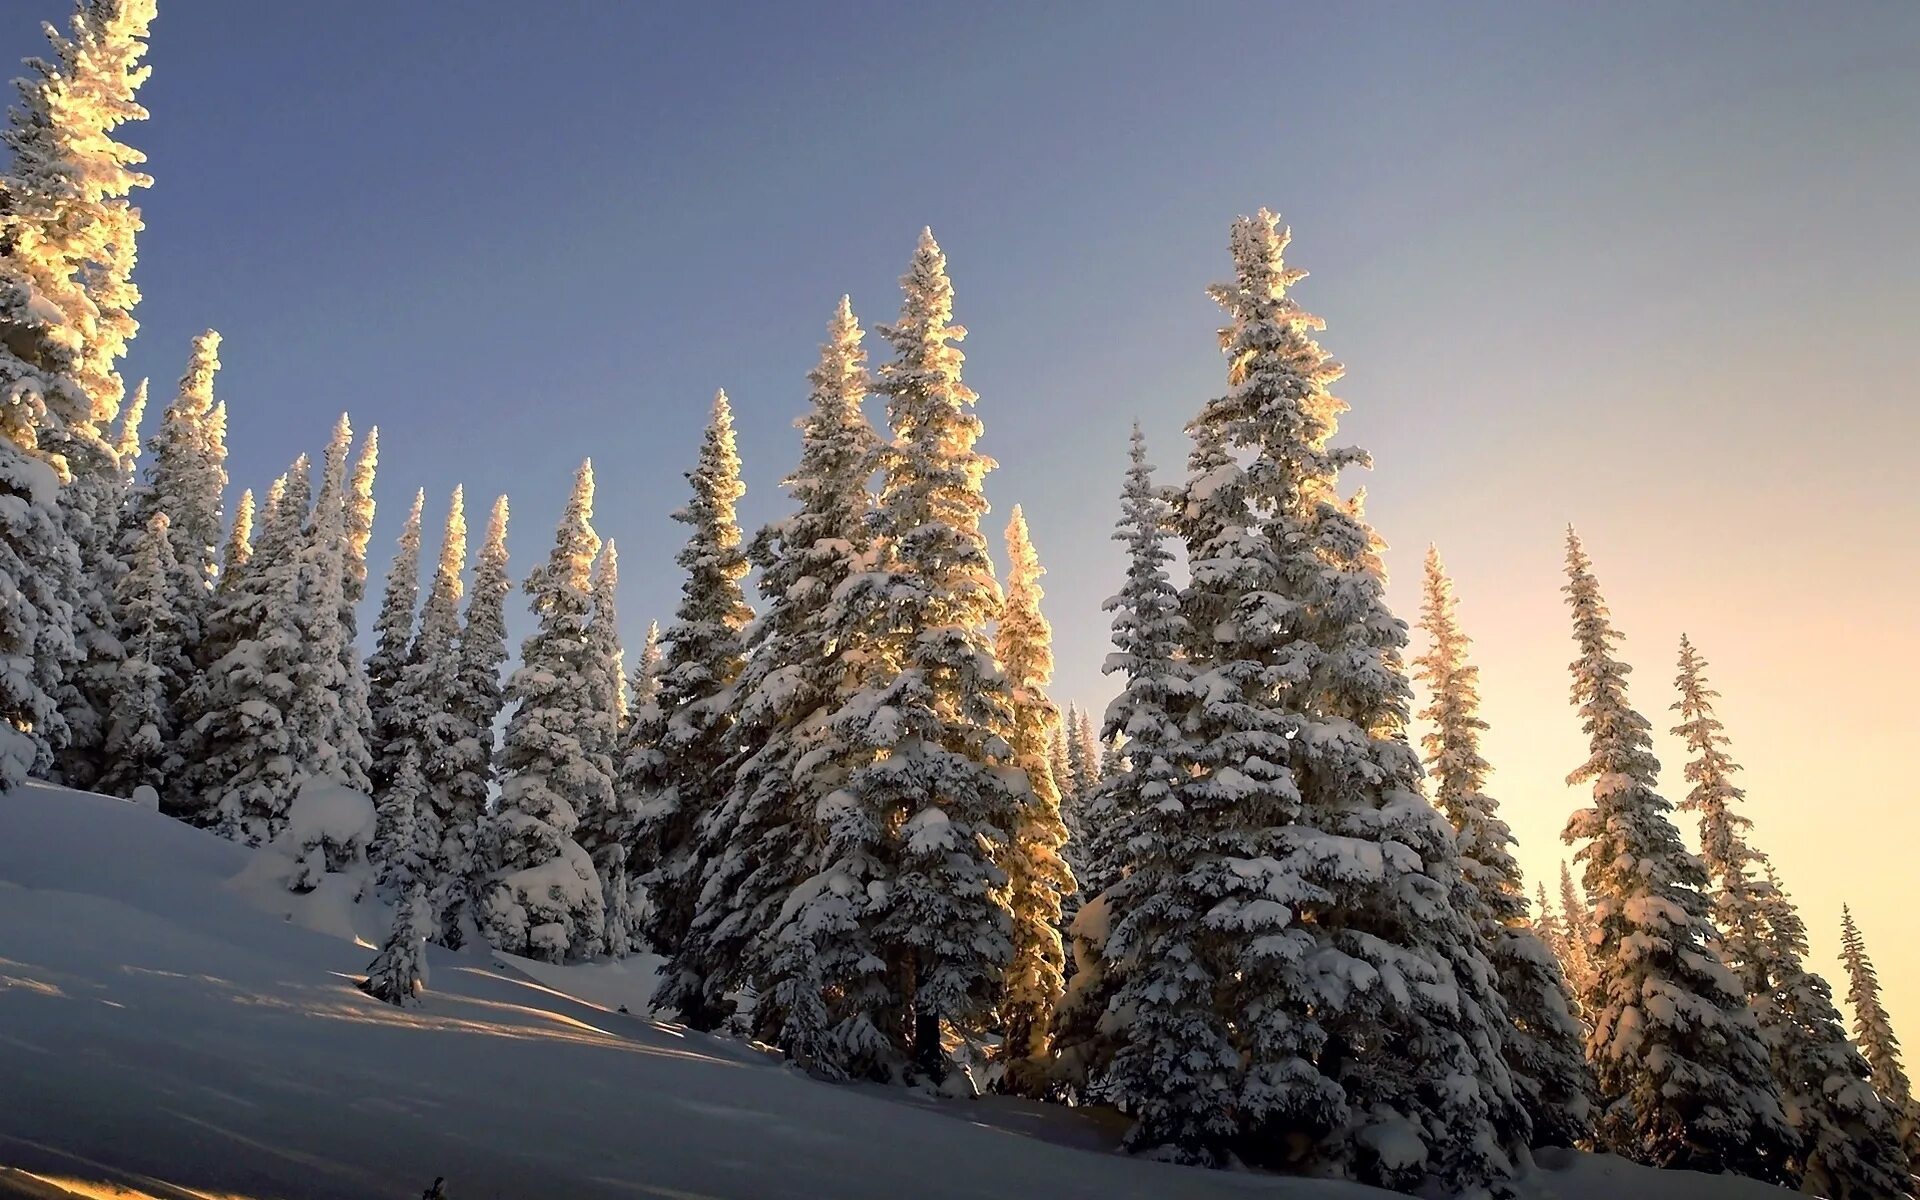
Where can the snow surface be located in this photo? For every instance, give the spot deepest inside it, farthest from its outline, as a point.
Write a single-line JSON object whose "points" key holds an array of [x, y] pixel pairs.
{"points": [[168, 1022]]}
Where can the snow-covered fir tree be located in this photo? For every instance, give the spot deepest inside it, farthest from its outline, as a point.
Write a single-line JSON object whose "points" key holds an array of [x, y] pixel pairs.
{"points": [[675, 773], [1739, 892], [1091, 753], [542, 899], [1684, 1077], [1576, 924], [1543, 1044], [426, 735], [238, 548], [644, 683], [139, 745], [1547, 923], [1280, 873], [67, 232], [245, 748], [765, 840], [1873, 1034], [327, 739], [1074, 745], [186, 478], [1149, 635], [1849, 1139], [393, 642], [1037, 873], [467, 761], [604, 827], [931, 803], [399, 974], [355, 729]]}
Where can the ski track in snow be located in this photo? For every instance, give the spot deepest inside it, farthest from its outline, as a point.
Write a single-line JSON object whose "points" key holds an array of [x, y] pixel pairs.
{"points": [[168, 1026]]}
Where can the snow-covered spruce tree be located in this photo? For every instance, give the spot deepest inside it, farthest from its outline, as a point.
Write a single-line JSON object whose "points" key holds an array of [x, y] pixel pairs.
{"points": [[675, 773], [605, 827], [1037, 873], [1079, 770], [1849, 1140], [186, 478], [426, 734], [543, 898], [1547, 923], [321, 677], [476, 702], [1873, 1034], [399, 974], [126, 442], [139, 747], [1300, 857], [1149, 635], [1737, 889], [1543, 1045], [931, 789], [1092, 755], [644, 684], [356, 692], [66, 254], [393, 642], [764, 842], [238, 549], [1684, 1077], [1576, 924], [246, 747]]}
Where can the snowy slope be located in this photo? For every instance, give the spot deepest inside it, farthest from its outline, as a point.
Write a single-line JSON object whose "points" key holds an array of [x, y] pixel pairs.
{"points": [[167, 1025]]}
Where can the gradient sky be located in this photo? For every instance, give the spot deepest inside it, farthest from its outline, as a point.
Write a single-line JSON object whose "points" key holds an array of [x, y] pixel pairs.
{"points": [[1648, 268]]}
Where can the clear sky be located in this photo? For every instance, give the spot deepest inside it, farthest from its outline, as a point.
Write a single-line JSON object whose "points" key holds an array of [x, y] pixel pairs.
{"points": [[1648, 268]]}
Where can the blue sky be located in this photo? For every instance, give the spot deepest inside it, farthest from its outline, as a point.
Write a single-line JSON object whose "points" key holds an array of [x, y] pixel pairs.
{"points": [[1646, 267]]}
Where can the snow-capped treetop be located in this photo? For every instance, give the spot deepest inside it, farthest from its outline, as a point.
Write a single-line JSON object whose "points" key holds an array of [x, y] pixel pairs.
{"points": [[439, 635], [239, 544], [359, 523], [645, 682], [126, 446], [704, 643], [67, 225], [187, 475], [393, 628]]}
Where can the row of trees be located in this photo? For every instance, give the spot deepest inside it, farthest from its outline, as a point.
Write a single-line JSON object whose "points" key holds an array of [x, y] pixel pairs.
{"points": [[853, 822]]}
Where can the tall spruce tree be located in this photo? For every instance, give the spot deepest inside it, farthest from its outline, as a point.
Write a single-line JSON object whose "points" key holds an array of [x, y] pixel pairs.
{"points": [[186, 478], [476, 703], [929, 808], [605, 827], [426, 743], [139, 745], [1873, 1034], [1543, 1044], [675, 775], [393, 642], [238, 548], [1299, 856], [1576, 921], [543, 897], [1038, 875], [1684, 1075], [66, 255], [321, 679], [763, 842], [247, 745], [1149, 636]]}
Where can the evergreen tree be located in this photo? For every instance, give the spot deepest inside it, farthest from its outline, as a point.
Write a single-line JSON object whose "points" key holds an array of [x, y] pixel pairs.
{"points": [[321, 677], [645, 683], [1849, 1141], [1548, 925], [468, 760], [67, 234], [604, 827], [1739, 893], [1678, 1055], [1873, 1034], [675, 774], [1149, 634], [246, 749], [1090, 755], [393, 642], [1278, 875], [1079, 770], [1543, 1046], [766, 840], [929, 808], [399, 974], [1038, 875], [186, 478], [425, 750], [139, 739], [238, 550], [1576, 922], [543, 898], [356, 698]]}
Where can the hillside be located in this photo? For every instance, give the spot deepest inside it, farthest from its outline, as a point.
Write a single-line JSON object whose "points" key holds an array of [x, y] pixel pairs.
{"points": [[171, 1026]]}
